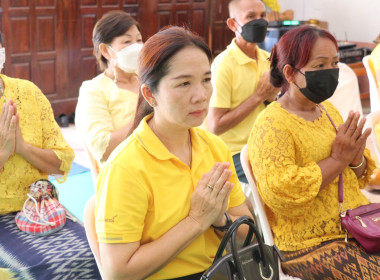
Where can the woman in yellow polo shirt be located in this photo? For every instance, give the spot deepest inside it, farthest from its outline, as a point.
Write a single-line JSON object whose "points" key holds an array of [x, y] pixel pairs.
{"points": [[107, 103], [163, 195]]}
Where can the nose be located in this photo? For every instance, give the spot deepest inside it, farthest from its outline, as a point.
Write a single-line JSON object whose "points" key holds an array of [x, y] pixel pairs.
{"points": [[201, 93]]}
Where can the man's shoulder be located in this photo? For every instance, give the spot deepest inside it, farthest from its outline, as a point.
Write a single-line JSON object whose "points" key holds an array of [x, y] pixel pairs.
{"points": [[262, 54]]}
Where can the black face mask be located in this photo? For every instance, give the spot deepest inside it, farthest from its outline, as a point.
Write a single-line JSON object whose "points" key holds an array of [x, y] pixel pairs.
{"points": [[254, 31], [320, 84]]}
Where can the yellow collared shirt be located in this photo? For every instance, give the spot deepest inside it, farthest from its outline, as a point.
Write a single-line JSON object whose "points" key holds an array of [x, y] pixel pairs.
{"points": [[235, 77], [144, 190]]}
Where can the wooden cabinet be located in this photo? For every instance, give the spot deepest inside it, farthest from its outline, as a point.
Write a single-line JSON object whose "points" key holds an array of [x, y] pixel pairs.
{"points": [[49, 42]]}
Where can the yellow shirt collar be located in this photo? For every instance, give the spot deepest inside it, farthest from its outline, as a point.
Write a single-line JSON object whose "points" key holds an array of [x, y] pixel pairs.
{"points": [[242, 58], [156, 148]]}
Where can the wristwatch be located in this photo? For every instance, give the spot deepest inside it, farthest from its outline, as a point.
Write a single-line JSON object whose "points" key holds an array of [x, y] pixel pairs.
{"points": [[227, 225]]}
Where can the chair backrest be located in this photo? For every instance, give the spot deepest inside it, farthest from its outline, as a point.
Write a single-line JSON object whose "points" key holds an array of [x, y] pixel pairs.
{"points": [[374, 97], [258, 204], [89, 226], [372, 119]]}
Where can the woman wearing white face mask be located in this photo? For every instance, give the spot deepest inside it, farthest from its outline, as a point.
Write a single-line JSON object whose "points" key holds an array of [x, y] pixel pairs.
{"points": [[107, 103]]}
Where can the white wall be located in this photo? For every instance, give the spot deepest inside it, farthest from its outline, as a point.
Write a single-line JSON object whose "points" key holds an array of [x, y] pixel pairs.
{"points": [[359, 20]]}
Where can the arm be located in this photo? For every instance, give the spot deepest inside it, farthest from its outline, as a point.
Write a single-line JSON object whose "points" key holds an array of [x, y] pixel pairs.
{"points": [[284, 185], [116, 137], [136, 261], [222, 119], [94, 121], [8, 121], [54, 156]]}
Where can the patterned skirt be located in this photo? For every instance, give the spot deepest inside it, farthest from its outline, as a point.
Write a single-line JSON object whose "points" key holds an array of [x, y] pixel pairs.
{"points": [[335, 259]]}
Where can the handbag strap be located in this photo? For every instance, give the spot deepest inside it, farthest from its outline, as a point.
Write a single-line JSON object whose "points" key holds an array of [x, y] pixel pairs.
{"points": [[231, 235], [340, 183], [227, 236], [266, 271]]}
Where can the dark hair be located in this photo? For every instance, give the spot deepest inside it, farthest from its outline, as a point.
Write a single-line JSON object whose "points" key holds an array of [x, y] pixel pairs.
{"points": [[1, 38], [111, 25], [294, 48], [154, 60]]}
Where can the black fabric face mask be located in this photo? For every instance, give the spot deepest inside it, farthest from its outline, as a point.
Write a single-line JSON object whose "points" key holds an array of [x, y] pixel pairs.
{"points": [[254, 31], [320, 84]]}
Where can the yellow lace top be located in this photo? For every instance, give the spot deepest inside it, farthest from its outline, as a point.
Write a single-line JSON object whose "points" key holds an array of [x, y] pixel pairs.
{"points": [[39, 129], [284, 150]]}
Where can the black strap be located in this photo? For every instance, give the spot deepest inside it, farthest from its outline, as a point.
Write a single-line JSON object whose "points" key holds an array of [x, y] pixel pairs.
{"points": [[195, 276]]}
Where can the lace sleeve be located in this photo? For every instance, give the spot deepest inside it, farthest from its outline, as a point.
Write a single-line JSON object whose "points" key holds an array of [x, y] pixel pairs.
{"points": [[52, 136], [287, 184]]}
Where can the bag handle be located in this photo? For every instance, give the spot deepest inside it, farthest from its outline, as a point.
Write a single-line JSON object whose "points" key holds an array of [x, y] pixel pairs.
{"points": [[263, 264], [44, 222], [340, 183], [231, 234], [227, 236]]}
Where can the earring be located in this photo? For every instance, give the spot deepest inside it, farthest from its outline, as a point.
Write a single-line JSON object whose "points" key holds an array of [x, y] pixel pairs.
{"points": [[154, 104]]}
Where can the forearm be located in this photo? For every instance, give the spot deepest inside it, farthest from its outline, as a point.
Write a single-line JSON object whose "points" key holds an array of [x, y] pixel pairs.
{"points": [[330, 169], [116, 138], [151, 257], [42, 159], [224, 122]]}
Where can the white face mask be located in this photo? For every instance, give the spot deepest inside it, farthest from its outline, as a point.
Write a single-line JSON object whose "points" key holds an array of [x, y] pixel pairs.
{"points": [[2, 58], [128, 56]]}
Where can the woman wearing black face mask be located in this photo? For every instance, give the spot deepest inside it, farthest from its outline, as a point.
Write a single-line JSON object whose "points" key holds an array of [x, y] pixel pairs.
{"points": [[297, 155]]}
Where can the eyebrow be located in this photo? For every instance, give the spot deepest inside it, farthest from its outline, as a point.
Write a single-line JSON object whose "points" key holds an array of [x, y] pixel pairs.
{"points": [[324, 57], [188, 76], [128, 35]]}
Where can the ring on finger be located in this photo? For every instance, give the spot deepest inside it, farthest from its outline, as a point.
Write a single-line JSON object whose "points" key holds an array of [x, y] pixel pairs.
{"points": [[210, 187]]}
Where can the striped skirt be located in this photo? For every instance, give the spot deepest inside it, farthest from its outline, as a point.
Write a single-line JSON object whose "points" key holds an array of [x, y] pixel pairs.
{"points": [[335, 259]]}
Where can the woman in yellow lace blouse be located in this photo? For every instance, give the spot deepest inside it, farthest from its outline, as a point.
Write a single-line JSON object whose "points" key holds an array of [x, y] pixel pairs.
{"points": [[31, 143], [297, 155]]}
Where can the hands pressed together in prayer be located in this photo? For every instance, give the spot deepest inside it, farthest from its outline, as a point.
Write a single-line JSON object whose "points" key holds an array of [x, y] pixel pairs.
{"points": [[8, 124], [210, 198], [350, 142], [11, 140]]}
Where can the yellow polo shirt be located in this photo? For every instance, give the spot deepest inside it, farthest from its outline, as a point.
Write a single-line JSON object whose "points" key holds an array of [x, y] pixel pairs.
{"points": [[144, 190], [235, 77]]}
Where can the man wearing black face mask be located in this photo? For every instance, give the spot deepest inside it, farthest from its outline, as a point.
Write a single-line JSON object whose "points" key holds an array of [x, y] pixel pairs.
{"points": [[240, 78]]}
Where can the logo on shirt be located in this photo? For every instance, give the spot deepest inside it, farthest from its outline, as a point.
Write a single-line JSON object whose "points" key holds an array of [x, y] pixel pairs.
{"points": [[110, 220]]}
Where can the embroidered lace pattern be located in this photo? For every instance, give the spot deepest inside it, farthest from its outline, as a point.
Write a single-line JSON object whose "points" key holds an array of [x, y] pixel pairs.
{"points": [[284, 150], [39, 129]]}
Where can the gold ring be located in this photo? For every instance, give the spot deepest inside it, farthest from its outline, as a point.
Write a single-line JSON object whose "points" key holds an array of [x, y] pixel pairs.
{"points": [[210, 187]]}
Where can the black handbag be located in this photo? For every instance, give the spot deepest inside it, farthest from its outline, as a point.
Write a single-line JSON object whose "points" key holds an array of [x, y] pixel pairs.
{"points": [[251, 261]]}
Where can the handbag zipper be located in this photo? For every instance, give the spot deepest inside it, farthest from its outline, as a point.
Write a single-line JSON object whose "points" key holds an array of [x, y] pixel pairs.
{"points": [[361, 221]]}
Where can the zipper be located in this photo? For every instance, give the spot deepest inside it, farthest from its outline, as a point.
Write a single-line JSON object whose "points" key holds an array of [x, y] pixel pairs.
{"points": [[361, 221]]}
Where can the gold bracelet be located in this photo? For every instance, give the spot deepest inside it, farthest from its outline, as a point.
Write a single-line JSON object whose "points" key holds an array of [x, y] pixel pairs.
{"points": [[355, 167]]}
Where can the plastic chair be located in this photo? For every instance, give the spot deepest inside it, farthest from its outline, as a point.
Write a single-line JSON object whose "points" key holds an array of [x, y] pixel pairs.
{"points": [[372, 119], [373, 91], [258, 205], [89, 226]]}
